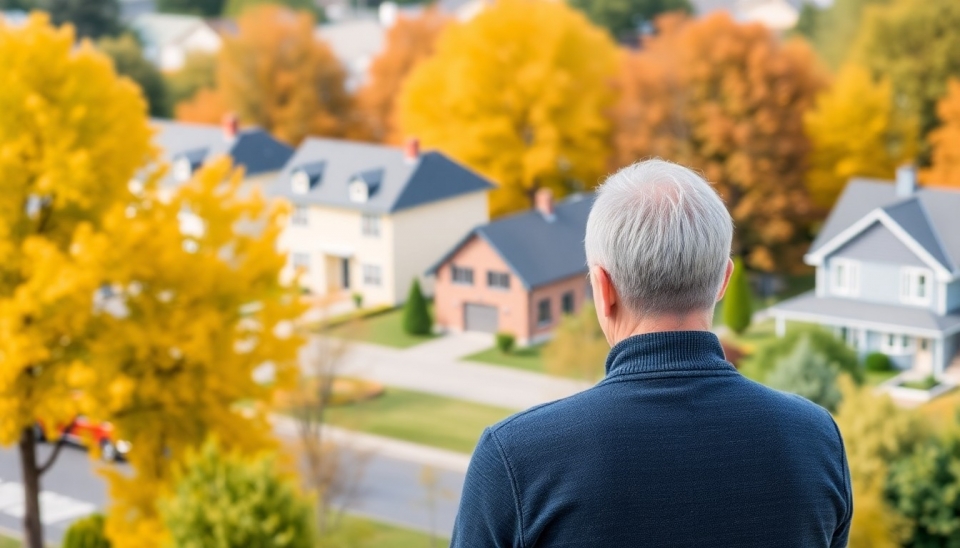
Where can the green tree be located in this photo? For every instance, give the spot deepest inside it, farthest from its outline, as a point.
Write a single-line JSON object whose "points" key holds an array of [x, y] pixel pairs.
{"points": [[835, 28], [759, 365], [205, 8], [579, 348], [738, 301], [623, 18], [916, 46], [235, 8], [128, 61], [86, 533], [199, 71], [224, 500], [416, 315], [90, 18], [807, 372]]}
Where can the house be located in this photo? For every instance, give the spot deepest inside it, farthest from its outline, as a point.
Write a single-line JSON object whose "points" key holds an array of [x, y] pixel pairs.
{"points": [[888, 273], [168, 38], [518, 274], [778, 15], [355, 43], [186, 147], [369, 219]]}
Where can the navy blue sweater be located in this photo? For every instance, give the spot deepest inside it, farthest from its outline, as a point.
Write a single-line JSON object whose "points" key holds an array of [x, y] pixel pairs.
{"points": [[673, 448]]}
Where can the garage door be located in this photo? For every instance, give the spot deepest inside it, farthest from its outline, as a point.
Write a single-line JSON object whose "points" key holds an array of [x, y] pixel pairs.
{"points": [[478, 317]]}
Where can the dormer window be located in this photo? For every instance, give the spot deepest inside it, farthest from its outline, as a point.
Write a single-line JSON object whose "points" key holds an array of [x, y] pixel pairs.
{"points": [[915, 286], [305, 177], [300, 183], [845, 277], [185, 164], [364, 185], [359, 192]]}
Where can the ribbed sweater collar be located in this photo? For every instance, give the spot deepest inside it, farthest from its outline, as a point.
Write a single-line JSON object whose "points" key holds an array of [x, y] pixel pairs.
{"points": [[667, 351]]}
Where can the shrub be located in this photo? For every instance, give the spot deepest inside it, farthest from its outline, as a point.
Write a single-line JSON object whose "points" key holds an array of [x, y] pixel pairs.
{"points": [[357, 299], [416, 316], [505, 342], [579, 348], [878, 362], [86, 533], [759, 364], [737, 303], [808, 372]]}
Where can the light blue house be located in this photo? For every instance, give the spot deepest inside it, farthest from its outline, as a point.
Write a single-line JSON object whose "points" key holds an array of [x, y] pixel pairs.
{"points": [[888, 273]]}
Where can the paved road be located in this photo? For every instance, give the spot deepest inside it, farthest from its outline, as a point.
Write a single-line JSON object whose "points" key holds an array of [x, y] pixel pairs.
{"points": [[390, 490]]}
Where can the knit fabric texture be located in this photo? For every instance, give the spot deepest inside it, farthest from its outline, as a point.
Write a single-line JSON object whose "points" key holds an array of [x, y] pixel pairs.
{"points": [[672, 448]]}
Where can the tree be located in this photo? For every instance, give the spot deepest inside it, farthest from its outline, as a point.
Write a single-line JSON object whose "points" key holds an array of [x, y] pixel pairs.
{"points": [[128, 61], [738, 302], [727, 99], [236, 8], [204, 8], [72, 135], [87, 533], [198, 72], [416, 315], [224, 500], [945, 141], [90, 18], [623, 18], [759, 364], [836, 27], [275, 74], [206, 107], [518, 93], [916, 47], [856, 130], [579, 348], [807, 372], [408, 42]]}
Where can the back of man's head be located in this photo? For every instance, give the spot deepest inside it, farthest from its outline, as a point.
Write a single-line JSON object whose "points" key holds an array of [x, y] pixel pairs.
{"points": [[663, 235]]}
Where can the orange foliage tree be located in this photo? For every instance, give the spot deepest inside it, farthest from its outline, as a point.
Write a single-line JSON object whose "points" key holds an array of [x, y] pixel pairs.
{"points": [[409, 41], [945, 141], [274, 73], [727, 99]]}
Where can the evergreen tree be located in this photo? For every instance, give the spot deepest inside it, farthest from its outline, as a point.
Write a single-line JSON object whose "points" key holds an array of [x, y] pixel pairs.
{"points": [[737, 304], [87, 533], [416, 316], [90, 18]]}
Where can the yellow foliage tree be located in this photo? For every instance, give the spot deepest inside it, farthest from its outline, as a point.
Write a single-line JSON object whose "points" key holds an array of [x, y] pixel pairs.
{"points": [[579, 348], [855, 130], [195, 307], [519, 93], [72, 134], [945, 141], [409, 41]]}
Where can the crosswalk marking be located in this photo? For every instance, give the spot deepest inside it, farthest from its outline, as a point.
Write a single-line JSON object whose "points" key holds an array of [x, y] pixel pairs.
{"points": [[54, 507]]}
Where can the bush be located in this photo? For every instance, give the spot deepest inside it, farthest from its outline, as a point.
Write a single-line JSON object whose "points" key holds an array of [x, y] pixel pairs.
{"points": [[357, 300], [505, 342], [760, 363], [878, 362], [579, 348], [737, 303], [416, 316], [86, 533], [808, 372]]}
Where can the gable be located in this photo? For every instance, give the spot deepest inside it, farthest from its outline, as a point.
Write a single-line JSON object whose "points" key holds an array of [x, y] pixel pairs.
{"points": [[476, 253], [877, 244]]}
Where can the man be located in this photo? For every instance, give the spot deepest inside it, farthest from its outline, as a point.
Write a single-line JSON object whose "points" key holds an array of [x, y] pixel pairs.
{"points": [[673, 447]]}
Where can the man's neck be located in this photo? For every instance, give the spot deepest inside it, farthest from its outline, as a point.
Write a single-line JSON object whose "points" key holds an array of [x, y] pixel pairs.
{"points": [[695, 321]]}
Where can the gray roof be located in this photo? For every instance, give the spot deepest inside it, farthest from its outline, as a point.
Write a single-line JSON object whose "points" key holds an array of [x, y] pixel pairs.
{"points": [[395, 183], [930, 215], [840, 311], [253, 148], [160, 29], [537, 249]]}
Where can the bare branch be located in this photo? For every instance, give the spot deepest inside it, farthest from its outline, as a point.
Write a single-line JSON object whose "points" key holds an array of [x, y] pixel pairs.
{"points": [[56, 449]]}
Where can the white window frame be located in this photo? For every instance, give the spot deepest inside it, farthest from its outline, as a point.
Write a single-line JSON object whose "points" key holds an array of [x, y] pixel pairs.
{"points": [[896, 344], [372, 275], [300, 261], [370, 225], [300, 215], [910, 284], [844, 277]]}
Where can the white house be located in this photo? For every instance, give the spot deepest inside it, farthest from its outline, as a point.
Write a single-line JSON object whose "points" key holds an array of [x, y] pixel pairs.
{"points": [[168, 38], [369, 219]]}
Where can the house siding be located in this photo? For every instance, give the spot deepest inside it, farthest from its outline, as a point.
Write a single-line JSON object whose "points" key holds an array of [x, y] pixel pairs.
{"points": [[953, 296], [554, 293], [880, 283], [877, 244]]}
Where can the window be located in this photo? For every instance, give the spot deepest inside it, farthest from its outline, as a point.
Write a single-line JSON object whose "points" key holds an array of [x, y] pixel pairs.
{"points": [[462, 275], [566, 302], [371, 274], [544, 314], [370, 225], [500, 280], [300, 261], [845, 277], [896, 344], [301, 215], [915, 285]]}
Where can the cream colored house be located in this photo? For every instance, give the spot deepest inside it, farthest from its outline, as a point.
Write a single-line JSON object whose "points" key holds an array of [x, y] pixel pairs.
{"points": [[369, 219]]}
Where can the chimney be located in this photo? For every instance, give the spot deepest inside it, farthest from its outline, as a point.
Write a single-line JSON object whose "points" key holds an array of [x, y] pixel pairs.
{"points": [[543, 202], [906, 180], [230, 126], [411, 150]]}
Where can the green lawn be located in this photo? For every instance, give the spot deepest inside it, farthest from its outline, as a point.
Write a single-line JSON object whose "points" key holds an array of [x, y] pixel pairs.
{"points": [[874, 378], [381, 535], [421, 418], [7, 542], [385, 329], [528, 358]]}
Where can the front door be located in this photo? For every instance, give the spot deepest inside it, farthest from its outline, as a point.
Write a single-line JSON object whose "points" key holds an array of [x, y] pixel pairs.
{"points": [[923, 359], [345, 273]]}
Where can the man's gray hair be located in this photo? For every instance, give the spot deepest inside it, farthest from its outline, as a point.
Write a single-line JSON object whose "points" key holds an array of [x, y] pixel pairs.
{"points": [[663, 235]]}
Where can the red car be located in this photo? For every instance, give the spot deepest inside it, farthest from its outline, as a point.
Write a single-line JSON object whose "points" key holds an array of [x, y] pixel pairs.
{"points": [[84, 431]]}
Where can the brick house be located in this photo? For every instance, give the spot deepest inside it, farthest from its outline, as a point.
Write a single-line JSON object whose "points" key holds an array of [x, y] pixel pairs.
{"points": [[518, 274]]}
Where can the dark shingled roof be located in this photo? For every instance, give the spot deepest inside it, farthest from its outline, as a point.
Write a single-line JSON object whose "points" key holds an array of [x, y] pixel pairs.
{"points": [[253, 148], [931, 216], [396, 184], [538, 250]]}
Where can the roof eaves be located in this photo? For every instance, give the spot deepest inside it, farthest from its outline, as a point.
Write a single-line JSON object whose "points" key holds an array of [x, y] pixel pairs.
{"points": [[955, 272], [453, 251], [526, 283]]}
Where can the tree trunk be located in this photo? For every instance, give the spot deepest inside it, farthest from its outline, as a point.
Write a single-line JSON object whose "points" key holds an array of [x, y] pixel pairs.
{"points": [[32, 527]]}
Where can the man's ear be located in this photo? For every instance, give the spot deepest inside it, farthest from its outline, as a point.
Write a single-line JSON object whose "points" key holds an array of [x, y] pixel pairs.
{"points": [[726, 279], [604, 293]]}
